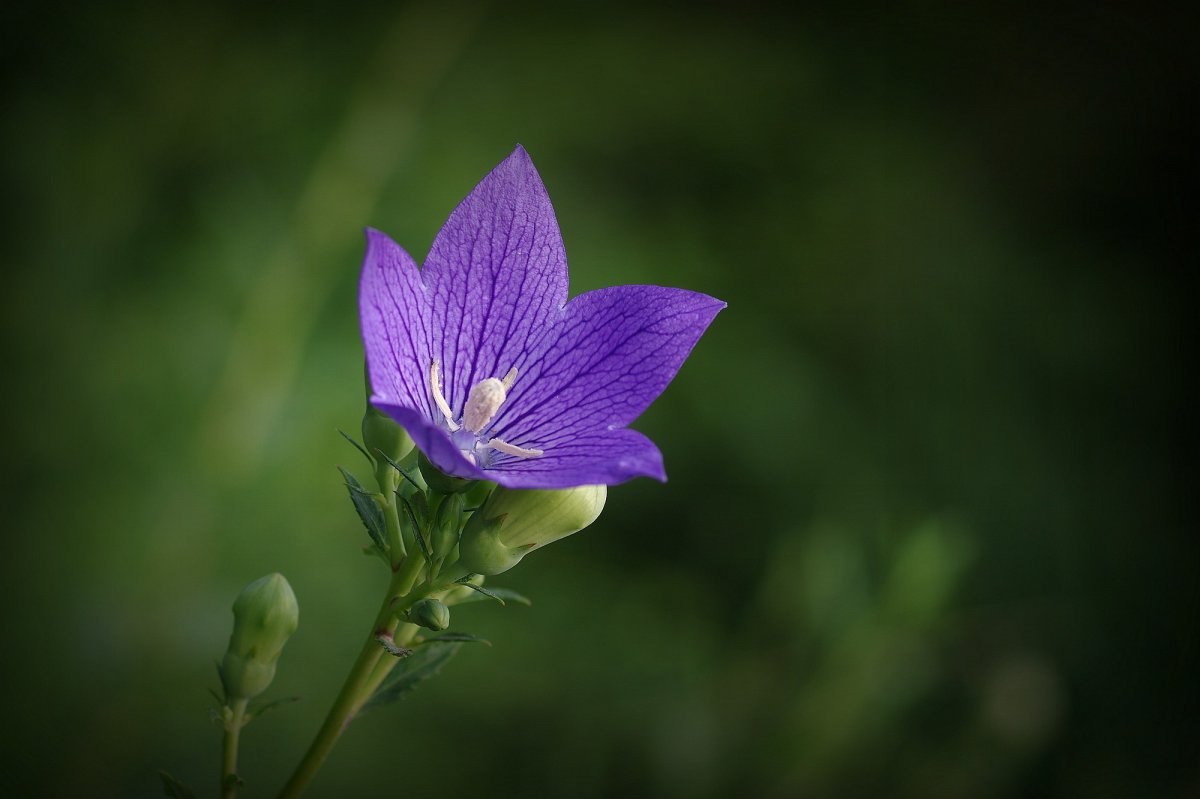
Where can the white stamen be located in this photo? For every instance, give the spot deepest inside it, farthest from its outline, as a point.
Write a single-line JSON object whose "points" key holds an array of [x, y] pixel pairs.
{"points": [[510, 449], [483, 402], [485, 399], [435, 383]]}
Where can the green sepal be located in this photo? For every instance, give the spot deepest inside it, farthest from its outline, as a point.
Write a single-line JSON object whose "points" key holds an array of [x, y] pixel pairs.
{"points": [[368, 510], [506, 594], [174, 788], [422, 664]]}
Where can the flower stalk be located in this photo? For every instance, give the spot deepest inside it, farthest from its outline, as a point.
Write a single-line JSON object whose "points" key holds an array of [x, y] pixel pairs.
{"points": [[235, 720]]}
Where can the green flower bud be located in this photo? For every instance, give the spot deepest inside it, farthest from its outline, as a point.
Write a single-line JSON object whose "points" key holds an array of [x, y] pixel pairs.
{"points": [[381, 434], [444, 537], [265, 615], [513, 522], [439, 481], [430, 614]]}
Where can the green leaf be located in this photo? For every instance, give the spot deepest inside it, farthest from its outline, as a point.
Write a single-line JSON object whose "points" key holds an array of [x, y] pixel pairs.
{"points": [[174, 788], [507, 594], [479, 588], [425, 662], [256, 710], [368, 510], [398, 468], [358, 447], [421, 542], [456, 638]]}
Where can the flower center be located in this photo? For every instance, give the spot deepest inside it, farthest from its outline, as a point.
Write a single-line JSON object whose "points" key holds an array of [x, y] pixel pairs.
{"points": [[483, 403]]}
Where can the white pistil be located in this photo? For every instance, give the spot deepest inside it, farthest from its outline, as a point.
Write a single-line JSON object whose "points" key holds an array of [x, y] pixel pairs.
{"points": [[483, 403], [485, 399], [435, 383]]}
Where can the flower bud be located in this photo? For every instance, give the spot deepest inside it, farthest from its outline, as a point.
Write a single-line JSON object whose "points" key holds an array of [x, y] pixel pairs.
{"points": [[444, 536], [381, 434], [265, 615], [430, 614], [513, 522], [439, 481]]}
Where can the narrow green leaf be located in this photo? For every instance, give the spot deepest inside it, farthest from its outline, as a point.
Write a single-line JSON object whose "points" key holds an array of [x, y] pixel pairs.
{"points": [[456, 638], [256, 710], [368, 510], [358, 447], [507, 594], [420, 536], [425, 662], [485, 591], [398, 468], [174, 788]]}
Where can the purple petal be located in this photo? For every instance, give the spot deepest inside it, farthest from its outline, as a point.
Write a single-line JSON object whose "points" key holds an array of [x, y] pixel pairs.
{"points": [[497, 276], [433, 441], [601, 456], [608, 357], [394, 312]]}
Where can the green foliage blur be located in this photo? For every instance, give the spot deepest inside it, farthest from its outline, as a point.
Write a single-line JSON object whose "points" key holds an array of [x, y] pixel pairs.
{"points": [[929, 530]]}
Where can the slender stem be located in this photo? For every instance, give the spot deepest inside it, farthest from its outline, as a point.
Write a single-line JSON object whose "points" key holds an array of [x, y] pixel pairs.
{"points": [[402, 635], [357, 688], [229, 748]]}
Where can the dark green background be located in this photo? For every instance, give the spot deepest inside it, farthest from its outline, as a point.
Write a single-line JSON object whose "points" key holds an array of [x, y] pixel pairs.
{"points": [[929, 527]]}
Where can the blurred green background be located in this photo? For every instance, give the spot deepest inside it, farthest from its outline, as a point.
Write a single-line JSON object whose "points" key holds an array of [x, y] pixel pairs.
{"points": [[929, 530]]}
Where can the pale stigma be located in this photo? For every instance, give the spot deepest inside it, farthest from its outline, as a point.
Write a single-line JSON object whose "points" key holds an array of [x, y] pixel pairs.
{"points": [[484, 400]]}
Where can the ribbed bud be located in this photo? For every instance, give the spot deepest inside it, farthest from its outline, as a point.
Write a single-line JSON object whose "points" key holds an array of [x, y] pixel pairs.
{"points": [[439, 481], [513, 522], [430, 614], [265, 615]]}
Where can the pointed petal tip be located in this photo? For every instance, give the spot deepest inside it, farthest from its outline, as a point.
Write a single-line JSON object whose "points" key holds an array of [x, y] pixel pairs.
{"points": [[518, 160]]}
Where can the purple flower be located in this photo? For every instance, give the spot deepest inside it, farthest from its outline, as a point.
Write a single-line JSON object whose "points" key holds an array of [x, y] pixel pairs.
{"points": [[480, 357]]}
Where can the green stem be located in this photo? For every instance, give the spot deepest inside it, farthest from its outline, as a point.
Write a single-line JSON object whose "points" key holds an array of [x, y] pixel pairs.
{"points": [[229, 748], [384, 666], [359, 685]]}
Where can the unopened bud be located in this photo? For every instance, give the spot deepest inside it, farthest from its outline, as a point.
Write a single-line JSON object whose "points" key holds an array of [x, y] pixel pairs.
{"points": [[513, 522], [430, 614], [381, 434], [265, 615]]}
